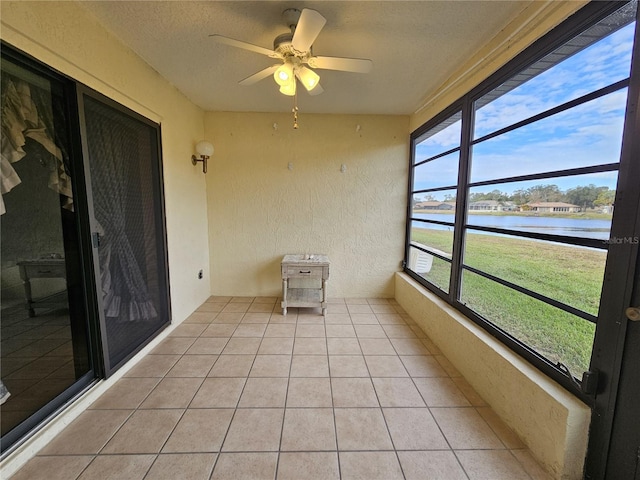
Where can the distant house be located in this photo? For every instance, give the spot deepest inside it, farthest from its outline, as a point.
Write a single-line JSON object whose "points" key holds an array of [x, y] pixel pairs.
{"points": [[431, 205], [552, 207], [485, 205], [492, 206]]}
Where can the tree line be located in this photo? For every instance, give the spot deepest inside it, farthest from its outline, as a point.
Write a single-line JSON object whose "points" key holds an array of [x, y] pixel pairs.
{"points": [[589, 196]]}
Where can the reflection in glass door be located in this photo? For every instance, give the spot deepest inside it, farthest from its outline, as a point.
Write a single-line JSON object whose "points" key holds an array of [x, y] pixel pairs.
{"points": [[43, 319]]}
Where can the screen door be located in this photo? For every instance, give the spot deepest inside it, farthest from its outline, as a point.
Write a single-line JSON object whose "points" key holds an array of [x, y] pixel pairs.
{"points": [[125, 182]]}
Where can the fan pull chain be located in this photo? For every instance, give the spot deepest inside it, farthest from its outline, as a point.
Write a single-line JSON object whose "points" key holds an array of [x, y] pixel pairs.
{"points": [[295, 110]]}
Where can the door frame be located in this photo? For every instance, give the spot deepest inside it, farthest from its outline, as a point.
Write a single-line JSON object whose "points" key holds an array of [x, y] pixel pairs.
{"points": [[618, 288]]}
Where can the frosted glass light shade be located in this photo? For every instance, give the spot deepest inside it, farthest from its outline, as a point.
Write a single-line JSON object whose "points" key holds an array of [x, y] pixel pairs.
{"points": [[284, 74], [308, 77], [204, 148], [289, 89]]}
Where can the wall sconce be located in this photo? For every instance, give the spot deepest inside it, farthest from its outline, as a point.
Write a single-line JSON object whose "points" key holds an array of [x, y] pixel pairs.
{"points": [[205, 150]]}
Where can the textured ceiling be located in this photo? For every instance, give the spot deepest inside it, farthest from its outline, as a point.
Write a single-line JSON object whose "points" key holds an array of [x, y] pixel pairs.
{"points": [[415, 46]]}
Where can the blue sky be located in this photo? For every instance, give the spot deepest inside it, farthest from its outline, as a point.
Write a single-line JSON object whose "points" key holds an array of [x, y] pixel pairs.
{"points": [[587, 135]]}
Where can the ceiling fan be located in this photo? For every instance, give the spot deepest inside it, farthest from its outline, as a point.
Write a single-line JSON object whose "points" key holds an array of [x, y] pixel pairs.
{"points": [[294, 49]]}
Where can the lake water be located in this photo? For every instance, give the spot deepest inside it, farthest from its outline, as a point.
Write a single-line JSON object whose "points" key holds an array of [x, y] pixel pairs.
{"points": [[574, 227]]}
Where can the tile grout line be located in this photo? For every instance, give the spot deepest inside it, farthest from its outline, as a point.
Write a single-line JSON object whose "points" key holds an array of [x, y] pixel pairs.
{"points": [[333, 406], [286, 398], [434, 419], [224, 438], [184, 412], [384, 419], [327, 355]]}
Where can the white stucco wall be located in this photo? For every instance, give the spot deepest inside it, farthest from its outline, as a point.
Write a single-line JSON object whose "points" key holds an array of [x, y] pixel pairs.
{"points": [[260, 210], [64, 36]]}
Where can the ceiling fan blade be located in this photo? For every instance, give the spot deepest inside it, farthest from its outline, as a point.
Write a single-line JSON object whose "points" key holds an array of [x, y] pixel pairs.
{"points": [[256, 77], [357, 65], [240, 44], [316, 91], [307, 30]]}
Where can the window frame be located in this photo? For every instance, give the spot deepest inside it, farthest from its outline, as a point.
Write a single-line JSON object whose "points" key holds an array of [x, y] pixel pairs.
{"points": [[570, 28], [443, 116]]}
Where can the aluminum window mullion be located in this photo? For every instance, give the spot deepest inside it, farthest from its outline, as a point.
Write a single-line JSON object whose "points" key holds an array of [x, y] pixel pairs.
{"points": [[605, 167], [564, 239], [555, 110], [436, 189], [531, 293], [426, 250], [464, 172], [435, 157], [410, 193], [534, 357], [436, 222]]}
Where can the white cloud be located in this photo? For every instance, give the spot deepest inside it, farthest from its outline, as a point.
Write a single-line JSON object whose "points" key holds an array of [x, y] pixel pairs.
{"points": [[599, 65], [589, 134], [442, 141]]}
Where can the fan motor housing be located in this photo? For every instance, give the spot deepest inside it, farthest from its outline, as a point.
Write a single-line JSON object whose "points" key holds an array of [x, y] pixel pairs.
{"points": [[283, 47], [282, 44]]}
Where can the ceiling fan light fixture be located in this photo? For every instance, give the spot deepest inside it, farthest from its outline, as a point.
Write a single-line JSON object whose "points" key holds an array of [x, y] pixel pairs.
{"points": [[308, 77], [284, 74], [294, 50]]}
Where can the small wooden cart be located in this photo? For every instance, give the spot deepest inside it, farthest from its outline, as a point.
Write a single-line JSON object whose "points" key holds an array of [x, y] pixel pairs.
{"points": [[304, 281]]}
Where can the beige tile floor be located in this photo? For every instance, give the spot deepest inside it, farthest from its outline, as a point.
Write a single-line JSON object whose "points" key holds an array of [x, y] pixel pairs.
{"points": [[36, 359], [239, 391]]}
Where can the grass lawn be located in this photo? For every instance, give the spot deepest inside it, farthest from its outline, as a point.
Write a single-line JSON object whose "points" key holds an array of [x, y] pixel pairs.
{"points": [[571, 275]]}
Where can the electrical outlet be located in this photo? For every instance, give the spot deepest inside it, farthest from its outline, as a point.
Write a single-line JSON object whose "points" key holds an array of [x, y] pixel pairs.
{"points": [[200, 275]]}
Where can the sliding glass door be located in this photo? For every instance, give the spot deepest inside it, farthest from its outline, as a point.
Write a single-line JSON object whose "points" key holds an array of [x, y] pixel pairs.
{"points": [[84, 280], [45, 354]]}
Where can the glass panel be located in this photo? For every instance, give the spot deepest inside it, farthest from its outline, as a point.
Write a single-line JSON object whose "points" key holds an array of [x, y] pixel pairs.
{"points": [[44, 338], [440, 205], [570, 274], [560, 77], [554, 333], [124, 163], [441, 172], [430, 268], [587, 135], [442, 138], [437, 238], [577, 206]]}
